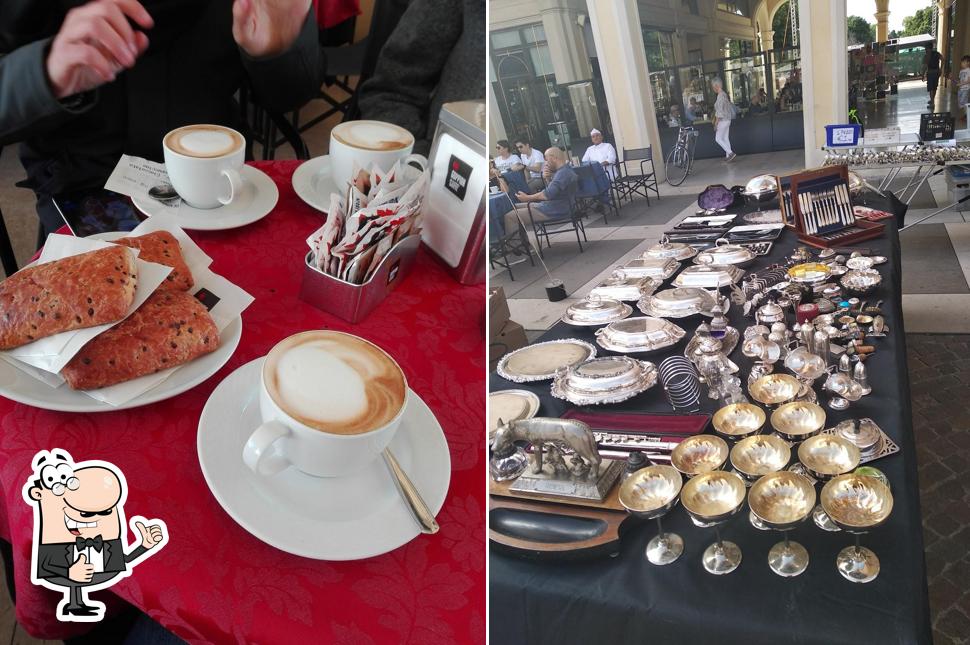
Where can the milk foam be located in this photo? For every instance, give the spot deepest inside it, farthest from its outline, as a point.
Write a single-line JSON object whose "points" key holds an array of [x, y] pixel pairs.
{"points": [[207, 142], [373, 135], [316, 383]]}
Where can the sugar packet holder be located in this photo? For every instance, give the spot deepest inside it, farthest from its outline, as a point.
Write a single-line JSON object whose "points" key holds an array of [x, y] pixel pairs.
{"points": [[354, 302]]}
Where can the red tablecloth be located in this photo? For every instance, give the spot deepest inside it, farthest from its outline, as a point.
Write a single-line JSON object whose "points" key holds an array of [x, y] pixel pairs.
{"points": [[214, 582], [331, 13]]}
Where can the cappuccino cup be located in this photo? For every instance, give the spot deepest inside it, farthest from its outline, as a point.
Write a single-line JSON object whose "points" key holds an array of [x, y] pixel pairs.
{"points": [[330, 403], [203, 163], [367, 143]]}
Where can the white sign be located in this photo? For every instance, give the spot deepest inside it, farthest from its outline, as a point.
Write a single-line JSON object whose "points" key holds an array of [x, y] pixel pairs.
{"points": [[843, 136], [882, 136]]}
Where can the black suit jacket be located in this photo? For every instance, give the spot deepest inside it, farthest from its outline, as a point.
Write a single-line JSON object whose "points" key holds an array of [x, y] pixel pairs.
{"points": [[188, 75], [53, 560]]}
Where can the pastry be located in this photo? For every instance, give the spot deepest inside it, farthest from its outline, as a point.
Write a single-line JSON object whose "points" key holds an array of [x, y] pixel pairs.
{"points": [[161, 247], [75, 292], [170, 329]]}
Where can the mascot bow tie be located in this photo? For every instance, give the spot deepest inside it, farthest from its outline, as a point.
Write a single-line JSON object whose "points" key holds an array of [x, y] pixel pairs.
{"points": [[84, 543]]}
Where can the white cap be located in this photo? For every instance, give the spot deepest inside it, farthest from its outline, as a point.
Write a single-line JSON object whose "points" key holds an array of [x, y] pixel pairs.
{"points": [[594, 131]]}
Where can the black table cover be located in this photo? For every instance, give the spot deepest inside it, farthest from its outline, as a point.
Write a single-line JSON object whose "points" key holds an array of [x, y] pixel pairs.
{"points": [[628, 600]]}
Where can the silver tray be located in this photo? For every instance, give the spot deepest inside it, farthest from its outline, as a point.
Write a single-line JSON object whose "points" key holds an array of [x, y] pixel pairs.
{"points": [[541, 361], [510, 405], [609, 379], [595, 312], [728, 343], [679, 303], [666, 249], [641, 334], [708, 276], [620, 287], [657, 268]]}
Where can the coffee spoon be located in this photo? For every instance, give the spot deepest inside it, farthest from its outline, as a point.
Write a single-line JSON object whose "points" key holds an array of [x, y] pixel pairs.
{"points": [[163, 192], [419, 509]]}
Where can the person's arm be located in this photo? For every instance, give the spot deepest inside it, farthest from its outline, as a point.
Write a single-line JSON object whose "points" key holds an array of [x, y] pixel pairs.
{"points": [[586, 158], [409, 67], [285, 81], [610, 154]]}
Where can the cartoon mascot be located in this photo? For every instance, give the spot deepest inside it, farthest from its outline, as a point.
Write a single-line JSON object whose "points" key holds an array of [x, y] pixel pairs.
{"points": [[79, 531]]}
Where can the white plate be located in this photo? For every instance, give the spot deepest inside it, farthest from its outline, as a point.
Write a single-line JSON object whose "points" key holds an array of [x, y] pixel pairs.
{"points": [[313, 182], [259, 198], [19, 386], [341, 518]]}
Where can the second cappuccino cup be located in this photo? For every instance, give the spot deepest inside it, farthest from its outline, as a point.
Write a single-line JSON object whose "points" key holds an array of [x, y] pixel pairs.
{"points": [[203, 164], [330, 403]]}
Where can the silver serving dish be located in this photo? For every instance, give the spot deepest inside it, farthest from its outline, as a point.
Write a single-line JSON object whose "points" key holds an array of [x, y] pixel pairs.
{"points": [[679, 303], [621, 287], [674, 250], [656, 268], [861, 282], [708, 276], [762, 188], [726, 253], [810, 273], [642, 334], [543, 360], [510, 405], [596, 312], [609, 379]]}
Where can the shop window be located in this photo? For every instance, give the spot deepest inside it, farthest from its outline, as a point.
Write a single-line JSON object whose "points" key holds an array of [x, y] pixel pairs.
{"points": [[738, 8], [659, 48], [504, 39]]}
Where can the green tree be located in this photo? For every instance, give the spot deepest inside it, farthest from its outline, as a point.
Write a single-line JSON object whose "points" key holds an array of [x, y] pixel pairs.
{"points": [[920, 22], [781, 28], [893, 33], [860, 31]]}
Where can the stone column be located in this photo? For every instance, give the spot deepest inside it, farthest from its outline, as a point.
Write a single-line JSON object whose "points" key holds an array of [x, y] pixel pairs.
{"points": [[570, 60], [626, 79], [767, 39], [882, 20], [496, 127], [825, 85]]}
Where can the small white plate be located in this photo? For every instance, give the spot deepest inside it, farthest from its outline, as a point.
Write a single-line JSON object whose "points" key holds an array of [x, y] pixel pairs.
{"points": [[313, 182], [23, 388], [340, 518], [259, 198]]}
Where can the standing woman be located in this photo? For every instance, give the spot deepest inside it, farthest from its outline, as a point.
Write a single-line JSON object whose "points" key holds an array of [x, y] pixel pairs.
{"points": [[723, 113]]}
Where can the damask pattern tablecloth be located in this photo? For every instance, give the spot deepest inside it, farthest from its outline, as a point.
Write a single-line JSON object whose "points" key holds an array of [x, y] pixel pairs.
{"points": [[214, 582]]}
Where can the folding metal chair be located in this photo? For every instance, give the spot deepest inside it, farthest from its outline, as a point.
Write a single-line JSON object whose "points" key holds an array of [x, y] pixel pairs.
{"points": [[572, 222], [640, 181], [594, 188]]}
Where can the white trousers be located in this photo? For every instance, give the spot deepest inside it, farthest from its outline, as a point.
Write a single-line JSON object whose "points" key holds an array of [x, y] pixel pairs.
{"points": [[721, 136]]}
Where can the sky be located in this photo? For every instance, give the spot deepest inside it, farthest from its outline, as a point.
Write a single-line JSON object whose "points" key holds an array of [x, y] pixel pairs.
{"points": [[898, 9]]}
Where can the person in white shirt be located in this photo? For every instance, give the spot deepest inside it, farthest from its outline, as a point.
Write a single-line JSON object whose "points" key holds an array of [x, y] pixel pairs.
{"points": [[505, 160], [601, 152], [723, 113], [533, 160]]}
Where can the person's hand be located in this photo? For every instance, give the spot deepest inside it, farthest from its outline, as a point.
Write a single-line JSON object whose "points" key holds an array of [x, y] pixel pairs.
{"points": [[606, 164], [96, 42], [267, 27], [151, 535], [522, 196], [80, 571]]}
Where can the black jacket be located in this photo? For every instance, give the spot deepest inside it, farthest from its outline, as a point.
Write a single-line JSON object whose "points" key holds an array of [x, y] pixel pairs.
{"points": [[188, 75], [53, 560]]}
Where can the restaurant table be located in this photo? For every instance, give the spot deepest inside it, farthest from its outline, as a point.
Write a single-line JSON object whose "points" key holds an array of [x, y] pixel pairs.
{"points": [[213, 581], [626, 599]]}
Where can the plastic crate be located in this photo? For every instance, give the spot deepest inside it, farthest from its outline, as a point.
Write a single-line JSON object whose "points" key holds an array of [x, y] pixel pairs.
{"points": [[845, 135]]}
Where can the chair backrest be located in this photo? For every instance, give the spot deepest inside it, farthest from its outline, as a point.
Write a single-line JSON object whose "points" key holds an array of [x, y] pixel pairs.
{"points": [[586, 180], [638, 154], [516, 181], [387, 13]]}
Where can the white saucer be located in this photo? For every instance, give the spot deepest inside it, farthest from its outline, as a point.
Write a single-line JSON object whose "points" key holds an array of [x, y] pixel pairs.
{"points": [[345, 518], [23, 388], [314, 183], [260, 197]]}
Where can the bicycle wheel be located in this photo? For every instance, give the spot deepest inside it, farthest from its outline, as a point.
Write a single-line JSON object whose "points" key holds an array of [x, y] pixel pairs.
{"points": [[677, 165]]}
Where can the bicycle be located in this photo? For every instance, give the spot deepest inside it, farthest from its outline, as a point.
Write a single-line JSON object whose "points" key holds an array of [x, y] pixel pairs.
{"points": [[681, 156]]}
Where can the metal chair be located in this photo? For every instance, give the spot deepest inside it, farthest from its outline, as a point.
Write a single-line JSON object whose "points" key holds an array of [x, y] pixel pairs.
{"points": [[502, 243], [7, 257], [572, 222], [640, 182], [516, 181], [594, 188]]}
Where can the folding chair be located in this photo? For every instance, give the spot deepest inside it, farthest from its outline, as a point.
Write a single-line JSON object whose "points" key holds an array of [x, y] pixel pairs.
{"points": [[594, 187], [502, 243], [639, 182], [572, 221]]}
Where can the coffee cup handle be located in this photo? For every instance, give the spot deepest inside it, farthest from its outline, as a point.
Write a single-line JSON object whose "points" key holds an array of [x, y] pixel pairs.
{"points": [[235, 183], [259, 453], [421, 160]]}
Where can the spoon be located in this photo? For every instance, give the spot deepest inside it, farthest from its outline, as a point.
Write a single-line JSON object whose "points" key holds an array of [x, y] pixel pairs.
{"points": [[419, 509], [163, 192]]}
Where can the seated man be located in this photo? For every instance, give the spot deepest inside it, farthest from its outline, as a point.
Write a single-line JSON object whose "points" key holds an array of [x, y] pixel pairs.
{"points": [[675, 119], [692, 110], [601, 152], [551, 203], [532, 162]]}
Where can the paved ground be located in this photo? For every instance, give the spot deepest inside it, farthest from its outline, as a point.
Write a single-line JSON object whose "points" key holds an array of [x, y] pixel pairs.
{"points": [[939, 369]]}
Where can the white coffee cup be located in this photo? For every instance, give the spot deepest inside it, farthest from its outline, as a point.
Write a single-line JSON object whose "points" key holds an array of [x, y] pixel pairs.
{"points": [[203, 163], [367, 143], [309, 373]]}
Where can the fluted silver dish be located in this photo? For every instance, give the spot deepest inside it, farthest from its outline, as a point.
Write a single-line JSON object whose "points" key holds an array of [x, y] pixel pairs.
{"points": [[656, 268], [609, 379], [595, 312], [679, 302], [621, 287], [640, 334], [708, 276]]}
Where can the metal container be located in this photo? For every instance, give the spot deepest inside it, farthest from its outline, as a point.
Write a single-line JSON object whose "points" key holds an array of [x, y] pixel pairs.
{"points": [[641, 334], [708, 276], [595, 312], [609, 379], [656, 268], [679, 303], [621, 287]]}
